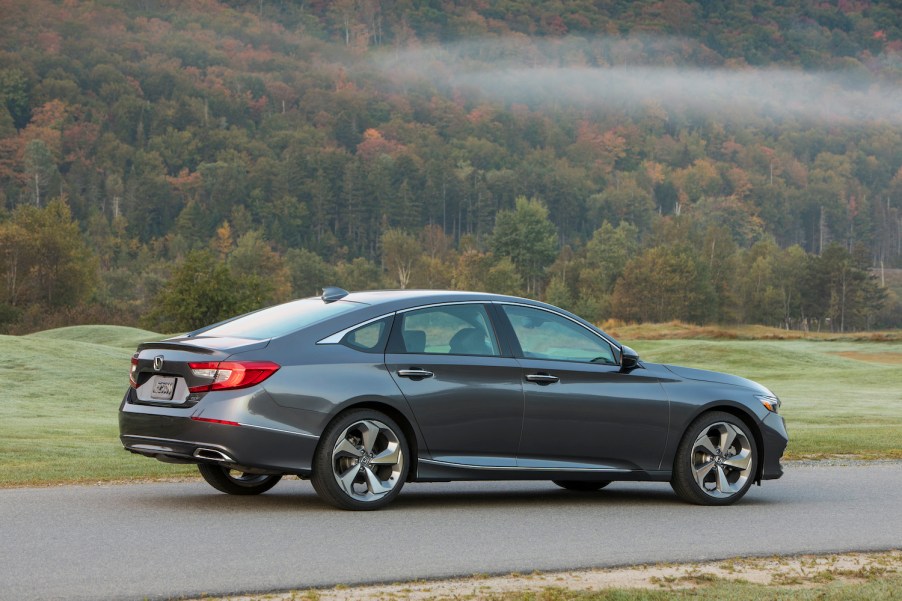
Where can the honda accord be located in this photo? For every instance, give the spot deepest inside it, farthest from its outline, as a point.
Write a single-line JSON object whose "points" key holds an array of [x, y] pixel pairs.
{"points": [[363, 392]]}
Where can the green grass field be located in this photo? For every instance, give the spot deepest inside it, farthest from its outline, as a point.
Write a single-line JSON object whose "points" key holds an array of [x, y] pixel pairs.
{"points": [[60, 393], [61, 390], [839, 397]]}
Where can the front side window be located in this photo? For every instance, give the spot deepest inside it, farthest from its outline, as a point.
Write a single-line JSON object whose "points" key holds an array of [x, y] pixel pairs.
{"points": [[449, 330], [546, 335]]}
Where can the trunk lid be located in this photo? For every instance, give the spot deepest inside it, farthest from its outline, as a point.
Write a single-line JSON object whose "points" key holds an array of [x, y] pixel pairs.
{"points": [[161, 371]]}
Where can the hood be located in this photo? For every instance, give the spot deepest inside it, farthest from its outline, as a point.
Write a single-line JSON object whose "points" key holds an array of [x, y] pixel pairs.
{"points": [[717, 377]]}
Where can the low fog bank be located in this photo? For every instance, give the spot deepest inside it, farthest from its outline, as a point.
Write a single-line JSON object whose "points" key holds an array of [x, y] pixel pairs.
{"points": [[638, 73]]}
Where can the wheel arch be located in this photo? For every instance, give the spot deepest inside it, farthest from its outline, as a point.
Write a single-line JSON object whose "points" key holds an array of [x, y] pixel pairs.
{"points": [[747, 417], [398, 416]]}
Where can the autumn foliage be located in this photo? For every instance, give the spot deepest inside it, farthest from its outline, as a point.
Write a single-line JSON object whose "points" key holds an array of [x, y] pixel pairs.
{"points": [[171, 162]]}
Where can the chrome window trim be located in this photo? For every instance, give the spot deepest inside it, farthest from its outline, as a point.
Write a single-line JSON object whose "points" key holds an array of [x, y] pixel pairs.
{"points": [[337, 336], [604, 337], [442, 304]]}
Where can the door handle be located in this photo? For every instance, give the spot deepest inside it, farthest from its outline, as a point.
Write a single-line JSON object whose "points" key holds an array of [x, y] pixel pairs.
{"points": [[415, 373], [542, 378]]}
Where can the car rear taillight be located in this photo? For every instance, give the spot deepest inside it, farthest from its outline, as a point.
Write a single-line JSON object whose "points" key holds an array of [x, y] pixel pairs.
{"points": [[229, 375], [133, 372]]}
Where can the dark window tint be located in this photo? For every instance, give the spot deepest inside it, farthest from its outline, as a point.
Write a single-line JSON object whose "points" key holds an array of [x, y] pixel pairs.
{"points": [[369, 338], [449, 330], [546, 335], [281, 319]]}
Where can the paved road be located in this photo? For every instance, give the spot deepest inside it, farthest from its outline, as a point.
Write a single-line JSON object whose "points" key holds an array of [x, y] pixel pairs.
{"points": [[162, 540]]}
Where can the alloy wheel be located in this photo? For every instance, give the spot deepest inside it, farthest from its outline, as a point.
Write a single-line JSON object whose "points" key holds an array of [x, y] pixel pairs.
{"points": [[368, 460], [721, 460]]}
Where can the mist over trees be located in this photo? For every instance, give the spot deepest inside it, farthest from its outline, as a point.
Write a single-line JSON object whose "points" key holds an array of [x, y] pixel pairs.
{"points": [[171, 163]]}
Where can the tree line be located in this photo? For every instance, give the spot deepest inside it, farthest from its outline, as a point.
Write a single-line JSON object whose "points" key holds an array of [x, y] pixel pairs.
{"points": [[687, 270], [262, 141]]}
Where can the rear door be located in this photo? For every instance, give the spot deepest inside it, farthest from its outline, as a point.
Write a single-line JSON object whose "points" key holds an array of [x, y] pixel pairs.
{"points": [[466, 395]]}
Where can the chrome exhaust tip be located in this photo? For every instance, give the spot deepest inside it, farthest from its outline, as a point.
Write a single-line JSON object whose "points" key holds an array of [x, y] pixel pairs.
{"points": [[212, 454]]}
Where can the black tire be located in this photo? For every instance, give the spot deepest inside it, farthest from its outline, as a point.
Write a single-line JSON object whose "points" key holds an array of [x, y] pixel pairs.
{"points": [[361, 462], [706, 474], [582, 485], [236, 483]]}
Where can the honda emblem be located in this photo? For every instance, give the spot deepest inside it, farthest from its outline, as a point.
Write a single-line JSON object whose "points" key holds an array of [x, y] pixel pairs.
{"points": [[158, 363]]}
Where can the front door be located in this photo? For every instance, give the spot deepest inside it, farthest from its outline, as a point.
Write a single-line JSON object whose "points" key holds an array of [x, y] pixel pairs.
{"points": [[582, 411]]}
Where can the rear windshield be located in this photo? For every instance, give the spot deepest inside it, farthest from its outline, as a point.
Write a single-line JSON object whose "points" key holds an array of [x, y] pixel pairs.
{"points": [[281, 319]]}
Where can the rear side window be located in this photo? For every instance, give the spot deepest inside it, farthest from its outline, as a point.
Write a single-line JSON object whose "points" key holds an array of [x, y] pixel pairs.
{"points": [[449, 330], [369, 338], [281, 319]]}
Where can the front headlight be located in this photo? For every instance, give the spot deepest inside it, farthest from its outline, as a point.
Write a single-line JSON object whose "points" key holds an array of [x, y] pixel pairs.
{"points": [[772, 403]]}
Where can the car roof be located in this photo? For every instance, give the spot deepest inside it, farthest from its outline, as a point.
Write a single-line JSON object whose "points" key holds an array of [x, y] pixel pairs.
{"points": [[371, 304], [378, 297], [399, 300]]}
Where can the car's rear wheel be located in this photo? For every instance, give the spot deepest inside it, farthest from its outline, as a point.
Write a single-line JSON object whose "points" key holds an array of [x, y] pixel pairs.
{"points": [[716, 461], [361, 462], [582, 485], [235, 482]]}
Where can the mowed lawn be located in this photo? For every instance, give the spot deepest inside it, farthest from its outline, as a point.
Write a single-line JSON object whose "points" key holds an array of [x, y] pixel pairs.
{"points": [[60, 391], [839, 397], [59, 396]]}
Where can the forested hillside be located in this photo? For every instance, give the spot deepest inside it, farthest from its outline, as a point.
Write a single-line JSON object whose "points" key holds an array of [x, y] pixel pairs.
{"points": [[169, 163]]}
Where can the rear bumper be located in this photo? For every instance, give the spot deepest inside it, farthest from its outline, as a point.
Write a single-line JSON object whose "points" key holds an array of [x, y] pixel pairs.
{"points": [[773, 432], [172, 436]]}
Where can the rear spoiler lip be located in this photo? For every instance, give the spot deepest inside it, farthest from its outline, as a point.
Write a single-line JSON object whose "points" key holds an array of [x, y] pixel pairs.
{"points": [[176, 346], [216, 346]]}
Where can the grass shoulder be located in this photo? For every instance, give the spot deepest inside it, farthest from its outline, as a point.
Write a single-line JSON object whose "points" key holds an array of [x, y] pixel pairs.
{"points": [[62, 388], [678, 330], [850, 576]]}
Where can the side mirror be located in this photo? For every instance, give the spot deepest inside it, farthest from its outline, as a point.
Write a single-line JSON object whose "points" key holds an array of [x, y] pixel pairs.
{"points": [[629, 359]]}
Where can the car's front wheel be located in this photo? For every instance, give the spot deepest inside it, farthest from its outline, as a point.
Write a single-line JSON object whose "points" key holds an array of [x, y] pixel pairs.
{"points": [[235, 482], [582, 485], [361, 462], [716, 461]]}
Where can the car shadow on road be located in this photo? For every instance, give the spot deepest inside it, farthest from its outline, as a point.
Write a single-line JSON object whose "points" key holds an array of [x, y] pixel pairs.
{"points": [[617, 494], [290, 496], [410, 498], [298, 496]]}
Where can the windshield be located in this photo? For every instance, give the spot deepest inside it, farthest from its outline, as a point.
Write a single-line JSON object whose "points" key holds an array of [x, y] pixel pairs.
{"points": [[280, 320]]}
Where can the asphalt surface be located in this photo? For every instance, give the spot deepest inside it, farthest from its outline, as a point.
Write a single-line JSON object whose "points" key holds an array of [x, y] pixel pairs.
{"points": [[165, 540]]}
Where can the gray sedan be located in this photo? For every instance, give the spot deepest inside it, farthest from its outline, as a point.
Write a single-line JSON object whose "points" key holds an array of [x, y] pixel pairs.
{"points": [[363, 392]]}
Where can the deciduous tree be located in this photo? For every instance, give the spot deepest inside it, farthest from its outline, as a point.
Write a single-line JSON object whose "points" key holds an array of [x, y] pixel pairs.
{"points": [[400, 252], [663, 284], [527, 238], [201, 291]]}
